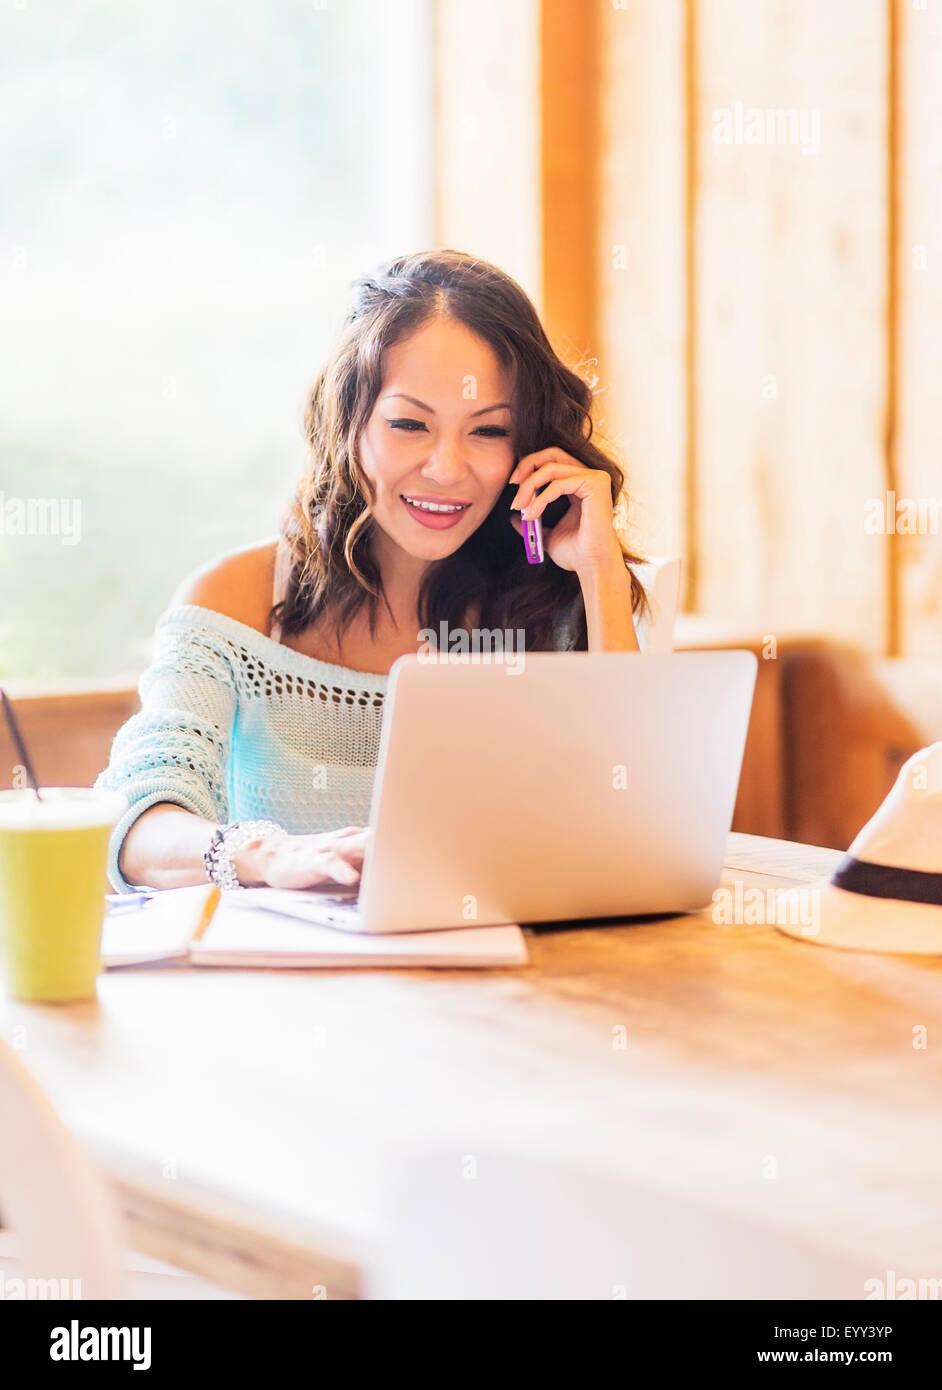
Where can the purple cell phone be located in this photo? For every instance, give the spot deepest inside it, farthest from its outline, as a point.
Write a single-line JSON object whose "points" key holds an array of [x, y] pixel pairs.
{"points": [[533, 539]]}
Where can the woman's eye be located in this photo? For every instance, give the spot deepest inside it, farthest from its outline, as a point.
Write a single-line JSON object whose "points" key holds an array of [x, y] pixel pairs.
{"points": [[410, 426], [414, 426]]}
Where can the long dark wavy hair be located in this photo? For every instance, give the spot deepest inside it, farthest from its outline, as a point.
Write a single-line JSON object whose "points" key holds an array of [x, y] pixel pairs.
{"points": [[329, 524]]}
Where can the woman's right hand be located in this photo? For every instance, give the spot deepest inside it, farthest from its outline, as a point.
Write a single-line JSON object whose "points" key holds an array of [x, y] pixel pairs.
{"points": [[304, 861]]}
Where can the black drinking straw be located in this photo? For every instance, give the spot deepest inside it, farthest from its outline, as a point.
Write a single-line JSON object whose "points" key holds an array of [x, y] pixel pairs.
{"points": [[18, 741]]}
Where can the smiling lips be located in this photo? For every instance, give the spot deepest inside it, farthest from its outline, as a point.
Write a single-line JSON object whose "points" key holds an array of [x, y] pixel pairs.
{"points": [[439, 513]]}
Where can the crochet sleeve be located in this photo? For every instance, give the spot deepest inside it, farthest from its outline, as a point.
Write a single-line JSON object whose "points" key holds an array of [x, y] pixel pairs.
{"points": [[177, 747]]}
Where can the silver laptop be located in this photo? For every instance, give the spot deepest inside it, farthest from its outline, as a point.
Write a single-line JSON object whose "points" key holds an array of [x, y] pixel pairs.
{"points": [[567, 786]]}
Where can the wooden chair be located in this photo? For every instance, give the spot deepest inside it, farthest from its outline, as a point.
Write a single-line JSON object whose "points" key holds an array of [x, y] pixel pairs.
{"points": [[850, 722], [59, 1224], [53, 1200], [661, 580]]}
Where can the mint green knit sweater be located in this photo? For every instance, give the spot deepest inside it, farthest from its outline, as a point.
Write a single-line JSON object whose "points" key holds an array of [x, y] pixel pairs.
{"points": [[236, 726]]}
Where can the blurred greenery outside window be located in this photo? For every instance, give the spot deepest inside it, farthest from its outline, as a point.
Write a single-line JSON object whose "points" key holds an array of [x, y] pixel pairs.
{"points": [[186, 193]]}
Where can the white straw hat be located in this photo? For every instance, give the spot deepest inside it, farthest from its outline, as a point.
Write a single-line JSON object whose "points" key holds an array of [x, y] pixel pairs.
{"points": [[886, 893]]}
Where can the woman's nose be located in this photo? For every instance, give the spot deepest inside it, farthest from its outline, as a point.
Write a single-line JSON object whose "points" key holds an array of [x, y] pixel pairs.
{"points": [[446, 463]]}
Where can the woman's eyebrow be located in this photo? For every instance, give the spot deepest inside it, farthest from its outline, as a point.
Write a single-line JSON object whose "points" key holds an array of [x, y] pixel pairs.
{"points": [[401, 395]]}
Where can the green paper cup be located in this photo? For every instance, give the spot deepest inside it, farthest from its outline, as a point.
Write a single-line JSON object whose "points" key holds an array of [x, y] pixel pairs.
{"points": [[53, 857]]}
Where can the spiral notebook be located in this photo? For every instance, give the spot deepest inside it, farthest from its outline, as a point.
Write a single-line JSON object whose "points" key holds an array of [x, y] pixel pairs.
{"points": [[199, 926]]}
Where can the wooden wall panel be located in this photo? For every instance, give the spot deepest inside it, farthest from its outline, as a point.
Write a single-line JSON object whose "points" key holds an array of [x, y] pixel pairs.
{"points": [[487, 126], [918, 474], [791, 284], [641, 278], [569, 88]]}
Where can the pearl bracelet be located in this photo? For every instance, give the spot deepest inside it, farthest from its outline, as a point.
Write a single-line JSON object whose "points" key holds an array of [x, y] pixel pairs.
{"points": [[226, 838]]}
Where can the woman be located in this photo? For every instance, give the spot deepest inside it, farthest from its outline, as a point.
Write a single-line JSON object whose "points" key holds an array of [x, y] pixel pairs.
{"points": [[440, 413]]}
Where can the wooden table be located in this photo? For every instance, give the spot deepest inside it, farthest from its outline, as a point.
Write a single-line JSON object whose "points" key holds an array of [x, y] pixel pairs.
{"points": [[250, 1121]]}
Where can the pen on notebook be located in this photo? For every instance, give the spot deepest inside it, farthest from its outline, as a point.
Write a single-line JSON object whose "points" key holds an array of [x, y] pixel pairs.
{"points": [[213, 898], [126, 902]]}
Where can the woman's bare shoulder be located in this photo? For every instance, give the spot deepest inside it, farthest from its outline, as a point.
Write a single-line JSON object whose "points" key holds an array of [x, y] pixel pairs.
{"points": [[238, 585]]}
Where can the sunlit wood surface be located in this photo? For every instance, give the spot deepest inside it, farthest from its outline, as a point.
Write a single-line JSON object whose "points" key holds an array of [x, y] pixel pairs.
{"points": [[251, 1122]]}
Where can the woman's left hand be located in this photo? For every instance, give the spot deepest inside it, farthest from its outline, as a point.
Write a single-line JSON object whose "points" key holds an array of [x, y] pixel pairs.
{"points": [[585, 538]]}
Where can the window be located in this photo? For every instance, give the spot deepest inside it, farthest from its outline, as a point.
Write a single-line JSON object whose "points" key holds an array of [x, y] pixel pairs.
{"points": [[188, 192]]}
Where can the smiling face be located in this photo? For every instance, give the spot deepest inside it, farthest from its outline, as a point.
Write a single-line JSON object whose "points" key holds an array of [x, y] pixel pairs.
{"points": [[439, 436]]}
